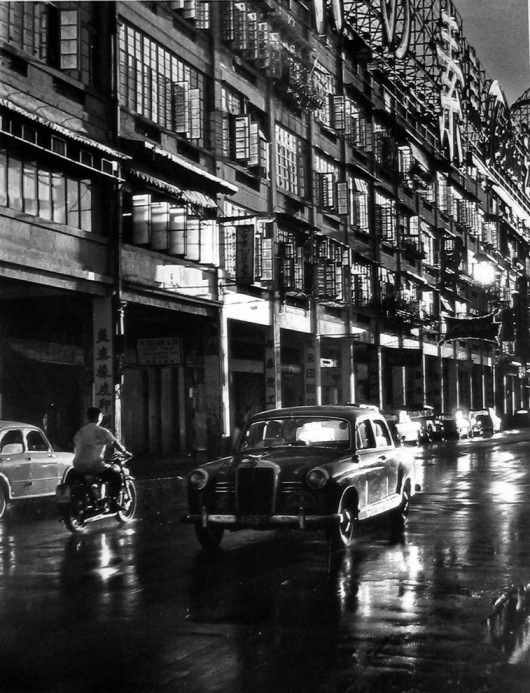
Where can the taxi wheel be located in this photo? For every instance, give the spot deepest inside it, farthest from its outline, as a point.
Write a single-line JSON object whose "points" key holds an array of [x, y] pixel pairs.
{"points": [[209, 537], [404, 507], [341, 534], [3, 502]]}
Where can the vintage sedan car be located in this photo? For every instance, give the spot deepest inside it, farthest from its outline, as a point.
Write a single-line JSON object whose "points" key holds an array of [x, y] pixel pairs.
{"points": [[484, 422], [29, 466], [405, 430], [305, 468]]}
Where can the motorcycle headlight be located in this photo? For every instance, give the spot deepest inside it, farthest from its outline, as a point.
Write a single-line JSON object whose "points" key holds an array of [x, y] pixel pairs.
{"points": [[198, 479], [317, 478]]}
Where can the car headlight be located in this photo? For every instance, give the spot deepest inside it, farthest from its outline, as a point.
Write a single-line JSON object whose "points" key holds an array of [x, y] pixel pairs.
{"points": [[317, 478], [198, 479]]}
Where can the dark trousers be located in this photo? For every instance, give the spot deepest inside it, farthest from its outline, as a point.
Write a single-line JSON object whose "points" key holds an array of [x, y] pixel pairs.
{"points": [[113, 478]]}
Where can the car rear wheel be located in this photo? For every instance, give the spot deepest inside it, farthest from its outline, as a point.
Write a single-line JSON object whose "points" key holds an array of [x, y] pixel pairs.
{"points": [[209, 537], [341, 534], [404, 506]]}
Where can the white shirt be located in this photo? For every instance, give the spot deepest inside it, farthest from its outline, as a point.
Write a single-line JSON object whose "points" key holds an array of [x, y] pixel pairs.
{"points": [[90, 442]]}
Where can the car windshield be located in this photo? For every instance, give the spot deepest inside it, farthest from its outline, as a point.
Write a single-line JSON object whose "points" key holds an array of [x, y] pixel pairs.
{"points": [[302, 431]]}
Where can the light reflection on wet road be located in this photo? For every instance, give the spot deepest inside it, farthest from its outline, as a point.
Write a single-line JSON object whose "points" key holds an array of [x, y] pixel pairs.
{"points": [[140, 608]]}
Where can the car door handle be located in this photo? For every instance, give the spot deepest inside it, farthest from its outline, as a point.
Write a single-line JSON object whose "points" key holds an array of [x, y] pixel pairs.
{"points": [[382, 458]]}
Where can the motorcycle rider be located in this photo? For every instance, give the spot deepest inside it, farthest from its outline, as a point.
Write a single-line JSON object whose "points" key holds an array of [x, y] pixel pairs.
{"points": [[89, 451]]}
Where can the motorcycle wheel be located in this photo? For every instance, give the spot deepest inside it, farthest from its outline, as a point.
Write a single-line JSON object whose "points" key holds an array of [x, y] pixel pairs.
{"points": [[128, 500], [74, 511]]}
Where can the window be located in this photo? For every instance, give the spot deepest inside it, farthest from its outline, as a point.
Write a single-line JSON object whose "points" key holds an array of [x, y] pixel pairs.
{"points": [[290, 163], [242, 134], [325, 182], [63, 35], [325, 85], [36, 442], [159, 86], [385, 219], [364, 436], [362, 291], [359, 204], [171, 226], [30, 187]]}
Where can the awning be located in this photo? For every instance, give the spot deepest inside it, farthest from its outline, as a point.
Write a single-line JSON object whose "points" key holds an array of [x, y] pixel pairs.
{"points": [[192, 196], [416, 278], [4, 103], [179, 161]]}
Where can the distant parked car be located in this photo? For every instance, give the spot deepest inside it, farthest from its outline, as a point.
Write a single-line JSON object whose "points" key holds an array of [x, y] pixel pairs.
{"points": [[404, 429], [29, 466], [454, 425], [313, 467], [431, 429], [484, 422]]}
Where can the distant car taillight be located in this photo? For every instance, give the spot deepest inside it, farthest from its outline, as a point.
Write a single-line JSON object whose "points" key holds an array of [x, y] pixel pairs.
{"points": [[198, 479], [317, 478]]}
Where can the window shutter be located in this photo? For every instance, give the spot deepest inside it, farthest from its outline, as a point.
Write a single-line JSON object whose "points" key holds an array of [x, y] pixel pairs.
{"points": [[339, 112], [181, 100], [177, 230], [209, 242], [254, 145], [242, 138], [267, 260], [252, 29], [263, 44], [195, 114], [141, 219], [159, 225], [193, 239], [343, 198]]}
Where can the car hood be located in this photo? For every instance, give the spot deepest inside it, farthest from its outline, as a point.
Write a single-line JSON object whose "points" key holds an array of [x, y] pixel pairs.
{"points": [[292, 460]]}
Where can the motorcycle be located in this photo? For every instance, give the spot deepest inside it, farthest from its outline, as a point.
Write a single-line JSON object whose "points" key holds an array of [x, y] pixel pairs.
{"points": [[84, 498]]}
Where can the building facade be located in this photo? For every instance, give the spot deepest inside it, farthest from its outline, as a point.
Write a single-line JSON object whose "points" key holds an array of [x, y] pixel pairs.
{"points": [[212, 208]]}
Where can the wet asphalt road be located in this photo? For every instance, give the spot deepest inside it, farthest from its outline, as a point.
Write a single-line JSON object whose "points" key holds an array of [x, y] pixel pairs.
{"points": [[140, 609]]}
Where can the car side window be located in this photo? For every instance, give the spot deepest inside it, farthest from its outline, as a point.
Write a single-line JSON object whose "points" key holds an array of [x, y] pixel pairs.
{"points": [[36, 442], [12, 437], [382, 435], [364, 439]]}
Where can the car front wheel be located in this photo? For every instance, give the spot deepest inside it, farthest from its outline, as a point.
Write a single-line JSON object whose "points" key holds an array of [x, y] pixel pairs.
{"points": [[341, 534], [209, 537], [3, 502]]}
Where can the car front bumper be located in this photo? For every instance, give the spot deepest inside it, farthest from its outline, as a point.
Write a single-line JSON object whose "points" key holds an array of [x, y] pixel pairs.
{"points": [[249, 521]]}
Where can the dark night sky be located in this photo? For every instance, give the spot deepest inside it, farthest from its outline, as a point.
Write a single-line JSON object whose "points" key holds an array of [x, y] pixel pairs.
{"points": [[498, 30]]}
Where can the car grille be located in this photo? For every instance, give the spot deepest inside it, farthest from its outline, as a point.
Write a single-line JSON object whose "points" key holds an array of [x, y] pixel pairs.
{"points": [[224, 496], [255, 490]]}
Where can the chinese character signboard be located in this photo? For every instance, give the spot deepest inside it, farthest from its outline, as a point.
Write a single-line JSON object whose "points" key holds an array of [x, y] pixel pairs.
{"points": [[103, 361]]}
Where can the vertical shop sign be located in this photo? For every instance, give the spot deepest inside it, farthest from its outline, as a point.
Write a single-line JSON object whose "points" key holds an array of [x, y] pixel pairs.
{"points": [[103, 363], [310, 372], [270, 374], [452, 82], [245, 254]]}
